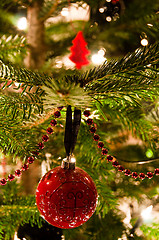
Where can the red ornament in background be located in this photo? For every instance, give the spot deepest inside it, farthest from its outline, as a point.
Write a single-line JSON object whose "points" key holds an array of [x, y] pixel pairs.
{"points": [[66, 198], [115, 1], [79, 51]]}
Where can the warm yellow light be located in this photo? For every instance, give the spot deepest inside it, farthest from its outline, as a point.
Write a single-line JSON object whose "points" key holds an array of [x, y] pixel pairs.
{"points": [[146, 213], [144, 42], [101, 10], [99, 57], [64, 12], [108, 19], [149, 24], [101, 52], [22, 23]]}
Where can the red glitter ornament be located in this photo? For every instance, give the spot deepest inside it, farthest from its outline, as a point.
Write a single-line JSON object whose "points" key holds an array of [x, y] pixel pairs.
{"points": [[79, 51], [66, 198], [115, 1]]}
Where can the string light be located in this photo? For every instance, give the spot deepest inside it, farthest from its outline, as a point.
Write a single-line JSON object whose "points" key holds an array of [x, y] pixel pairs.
{"points": [[144, 42], [149, 153], [149, 24], [108, 19], [101, 10], [64, 12], [146, 214], [22, 23], [99, 57]]}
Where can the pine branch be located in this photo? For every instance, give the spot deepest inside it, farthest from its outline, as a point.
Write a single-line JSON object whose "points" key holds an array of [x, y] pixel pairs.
{"points": [[60, 93], [48, 8], [21, 75], [132, 89], [53, 7], [131, 117], [16, 210], [12, 45], [148, 24], [132, 65], [21, 107]]}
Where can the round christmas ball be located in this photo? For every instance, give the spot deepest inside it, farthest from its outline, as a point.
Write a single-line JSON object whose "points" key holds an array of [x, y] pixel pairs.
{"points": [[66, 198]]}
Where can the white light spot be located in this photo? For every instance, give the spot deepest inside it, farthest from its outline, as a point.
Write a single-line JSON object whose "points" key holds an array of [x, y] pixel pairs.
{"points": [[149, 24], [22, 23], [59, 64], [101, 51], [101, 10], [98, 58], [108, 19], [64, 12], [144, 42], [146, 214], [108, 0], [48, 155], [73, 160]]}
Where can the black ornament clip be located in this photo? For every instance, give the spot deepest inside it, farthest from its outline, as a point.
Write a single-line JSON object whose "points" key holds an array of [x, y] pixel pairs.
{"points": [[71, 132]]}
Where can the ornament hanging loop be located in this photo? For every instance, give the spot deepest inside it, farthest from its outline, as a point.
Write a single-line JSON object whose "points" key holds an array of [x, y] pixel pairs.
{"points": [[71, 132], [69, 162]]}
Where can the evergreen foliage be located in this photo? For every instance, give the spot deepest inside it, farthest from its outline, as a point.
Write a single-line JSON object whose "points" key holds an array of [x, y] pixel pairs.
{"points": [[16, 210], [122, 94]]}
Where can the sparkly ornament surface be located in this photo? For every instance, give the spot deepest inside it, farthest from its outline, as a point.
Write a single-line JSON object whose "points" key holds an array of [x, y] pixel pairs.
{"points": [[66, 198], [79, 51]]}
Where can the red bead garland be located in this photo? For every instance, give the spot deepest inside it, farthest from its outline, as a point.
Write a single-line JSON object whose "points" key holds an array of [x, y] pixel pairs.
{"points": [[127, 172], [18, 172], [111, 159], [53, 122], [11, 177], [30, 160], [35, 153], [49, 130], [149, 175], [135, 175], [96, 138]]}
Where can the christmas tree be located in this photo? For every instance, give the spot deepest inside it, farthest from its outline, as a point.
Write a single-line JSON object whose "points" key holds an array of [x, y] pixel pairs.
{"points": [[115, 106]]}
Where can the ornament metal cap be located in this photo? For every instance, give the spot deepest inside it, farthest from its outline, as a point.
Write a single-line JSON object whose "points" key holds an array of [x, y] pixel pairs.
{"points": [[69, 162]]}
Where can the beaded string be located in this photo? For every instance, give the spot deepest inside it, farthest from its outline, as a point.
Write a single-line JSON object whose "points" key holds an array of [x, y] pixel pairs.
{"points": [[96, 137], [34, 154], [111, 159]]}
